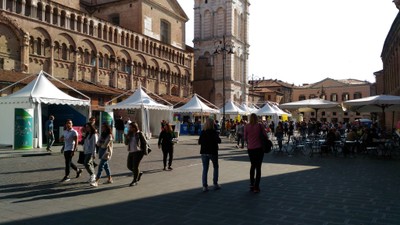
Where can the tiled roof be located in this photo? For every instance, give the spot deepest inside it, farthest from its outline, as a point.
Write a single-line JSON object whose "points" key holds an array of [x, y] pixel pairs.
{"points": [[82, 86]]}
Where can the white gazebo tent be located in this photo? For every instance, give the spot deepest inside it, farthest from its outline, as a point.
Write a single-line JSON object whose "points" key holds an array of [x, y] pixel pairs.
{"points": [[195, 105], [248, 108], [284, 115], [268, 110], [232, 109], [32, 96], [151, 112]]}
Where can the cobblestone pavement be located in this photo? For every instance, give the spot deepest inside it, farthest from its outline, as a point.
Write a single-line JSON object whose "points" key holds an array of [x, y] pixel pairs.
{"points": [[294, 190]]}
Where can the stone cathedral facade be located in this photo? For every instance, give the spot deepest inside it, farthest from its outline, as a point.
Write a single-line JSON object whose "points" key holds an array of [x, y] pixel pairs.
{"points": [[221, 48], [108, 43]]}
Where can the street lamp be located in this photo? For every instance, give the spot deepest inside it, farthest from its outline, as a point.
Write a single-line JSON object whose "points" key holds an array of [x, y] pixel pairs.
{"points": [[223, 47]]}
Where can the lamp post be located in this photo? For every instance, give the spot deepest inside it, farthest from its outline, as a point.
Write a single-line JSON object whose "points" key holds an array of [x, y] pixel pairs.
{"points": [[223, 47]]}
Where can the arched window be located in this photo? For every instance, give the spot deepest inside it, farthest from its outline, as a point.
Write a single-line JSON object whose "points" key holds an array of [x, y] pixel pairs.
{"points": [[302, 97], [165, 32], [345, 96], [334, 97], [357, 95], [101, 61]]}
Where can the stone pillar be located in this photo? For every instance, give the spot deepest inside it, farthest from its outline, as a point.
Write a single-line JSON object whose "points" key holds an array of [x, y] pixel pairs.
{"points": [[25, 54], [131, 76], [50, 16], [35, 46], [76, 65], [67, 19], [96, 71], [115, 77], [51, 64], [169, 80], [14, 6], [43, 13], [23, 3], [158, 81]]}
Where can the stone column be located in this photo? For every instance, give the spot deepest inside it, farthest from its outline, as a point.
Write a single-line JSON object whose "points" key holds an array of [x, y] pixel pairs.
{"points": [[67, 19], [51, 64], [96, 70], [131, 76], [50, 16], [23, 3], [14, 6], [25, 54], [158, 81], [76, 65]]}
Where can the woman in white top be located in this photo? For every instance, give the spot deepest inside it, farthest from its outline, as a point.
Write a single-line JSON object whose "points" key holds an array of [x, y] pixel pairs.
{"points": [[89, 148]]}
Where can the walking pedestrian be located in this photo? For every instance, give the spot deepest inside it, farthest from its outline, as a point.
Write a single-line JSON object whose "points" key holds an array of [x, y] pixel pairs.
{"points": [[279, 131], [119, 126], [165, 142], [136, 148], [70, 139], [89, 148], [252, 135], [239, 134], [209, 140], [49, 129], [105, 144]]}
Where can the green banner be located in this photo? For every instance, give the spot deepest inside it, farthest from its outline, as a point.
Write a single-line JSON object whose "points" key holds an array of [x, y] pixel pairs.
{"points": [[23, 129], [107, 117]]}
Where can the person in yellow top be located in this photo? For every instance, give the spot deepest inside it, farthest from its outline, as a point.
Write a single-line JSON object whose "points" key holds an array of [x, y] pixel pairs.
{"points": [[228, 126]]}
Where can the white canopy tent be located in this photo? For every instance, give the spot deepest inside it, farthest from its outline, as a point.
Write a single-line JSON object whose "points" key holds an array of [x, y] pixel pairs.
{"points": [[32, 96], [151, 112], [376, 103], [314, 104], [196, 105], [268, 110], [232, 109], [248, 108]]}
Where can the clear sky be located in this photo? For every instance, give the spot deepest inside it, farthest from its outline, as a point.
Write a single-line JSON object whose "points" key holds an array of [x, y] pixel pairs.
{"points": [[309, 40]]}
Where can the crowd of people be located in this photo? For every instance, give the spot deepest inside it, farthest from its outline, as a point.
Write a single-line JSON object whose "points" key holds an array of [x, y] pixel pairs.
{"points": [[248, 134]]}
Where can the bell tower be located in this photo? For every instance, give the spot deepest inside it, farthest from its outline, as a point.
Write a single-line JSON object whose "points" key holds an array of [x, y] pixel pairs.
{"points": [[221, 50]]}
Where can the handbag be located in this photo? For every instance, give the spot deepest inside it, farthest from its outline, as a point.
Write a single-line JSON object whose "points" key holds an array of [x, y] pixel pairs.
{"points": [[106, 155], [265, 142], [81, 158]]}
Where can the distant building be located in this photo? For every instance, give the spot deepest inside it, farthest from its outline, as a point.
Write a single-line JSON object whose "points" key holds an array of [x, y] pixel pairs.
{"points": [[271, 90], [336, 91]]}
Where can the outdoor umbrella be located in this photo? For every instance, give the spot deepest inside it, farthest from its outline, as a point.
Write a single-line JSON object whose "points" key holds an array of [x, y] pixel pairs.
{"points": [[313, 103], [377, 103]]}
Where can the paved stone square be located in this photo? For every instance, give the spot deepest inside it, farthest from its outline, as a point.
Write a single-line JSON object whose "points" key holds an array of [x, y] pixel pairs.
{"points": [[294, 190]]}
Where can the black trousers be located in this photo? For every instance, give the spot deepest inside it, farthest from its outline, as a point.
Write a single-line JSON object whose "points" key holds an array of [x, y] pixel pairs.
{"points": [[133, 162], [256, 158], [68, 162]]}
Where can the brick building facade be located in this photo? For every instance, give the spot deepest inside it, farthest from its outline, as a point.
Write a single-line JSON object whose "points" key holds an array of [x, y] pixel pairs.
{"points": [[113, 44], [388, 79]]}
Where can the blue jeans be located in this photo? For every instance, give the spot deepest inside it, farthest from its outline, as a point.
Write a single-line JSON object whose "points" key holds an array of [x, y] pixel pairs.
{"points": [[205, 158], [103, 164]]}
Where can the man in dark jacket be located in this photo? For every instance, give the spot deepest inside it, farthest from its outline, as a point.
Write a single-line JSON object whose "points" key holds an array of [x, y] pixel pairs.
{"points": [[119, 127]]}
